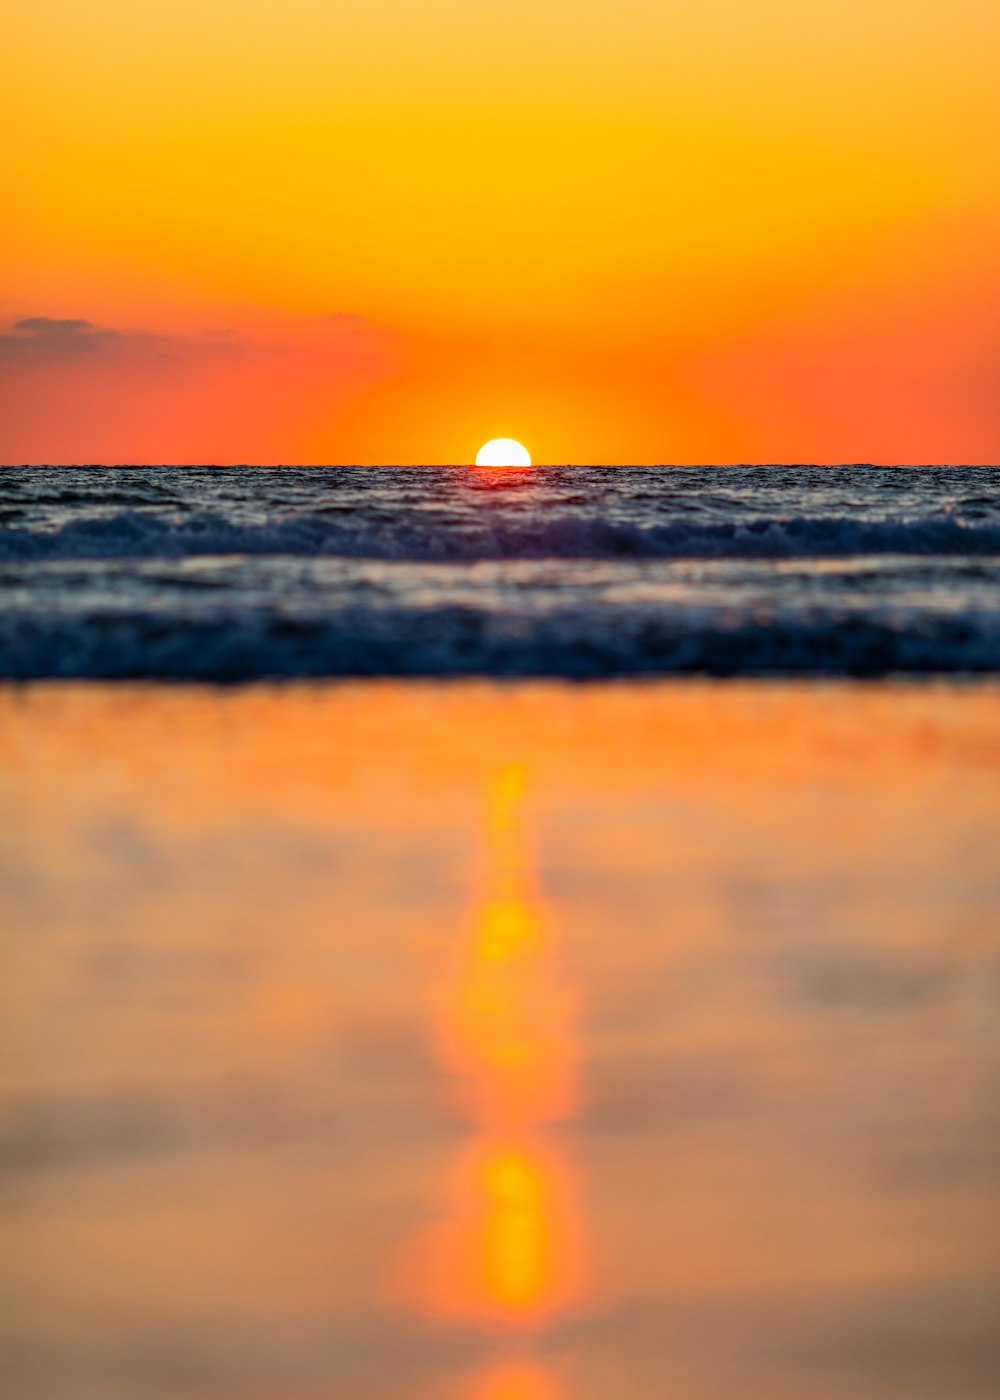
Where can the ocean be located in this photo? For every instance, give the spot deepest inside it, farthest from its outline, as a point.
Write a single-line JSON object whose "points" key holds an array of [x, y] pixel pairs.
{"points": [[238, 573], [405, 1020]]}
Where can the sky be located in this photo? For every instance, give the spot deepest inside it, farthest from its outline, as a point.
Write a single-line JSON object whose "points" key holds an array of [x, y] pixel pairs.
{"points": [[388, 230]]}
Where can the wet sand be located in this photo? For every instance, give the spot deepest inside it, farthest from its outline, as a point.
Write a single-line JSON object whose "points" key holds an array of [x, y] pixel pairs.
{"points": [[474, 1042]]}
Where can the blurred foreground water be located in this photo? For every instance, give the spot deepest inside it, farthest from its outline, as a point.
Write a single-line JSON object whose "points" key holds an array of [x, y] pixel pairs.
{"points": [[465, 1042]]}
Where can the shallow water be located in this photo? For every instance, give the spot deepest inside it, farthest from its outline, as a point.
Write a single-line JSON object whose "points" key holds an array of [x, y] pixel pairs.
{"points": [[236, 573], [466, 1042]]}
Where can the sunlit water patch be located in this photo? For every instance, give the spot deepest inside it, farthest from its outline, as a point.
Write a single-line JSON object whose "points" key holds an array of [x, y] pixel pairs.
{"points": [[477, 1042]]}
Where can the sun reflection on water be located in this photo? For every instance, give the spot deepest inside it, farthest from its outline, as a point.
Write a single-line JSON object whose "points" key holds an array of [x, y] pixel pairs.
{"points": [[517, 1382], [508, 1257]]}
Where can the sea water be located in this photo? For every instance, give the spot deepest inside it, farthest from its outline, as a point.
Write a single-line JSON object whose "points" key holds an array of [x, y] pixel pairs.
{"points": [[232, 573], [381, 1040]]}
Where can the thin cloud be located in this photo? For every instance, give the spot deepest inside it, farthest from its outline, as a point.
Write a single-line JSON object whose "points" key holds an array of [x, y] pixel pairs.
{"points": [[50, 325], [58, 340], [35, 337]]}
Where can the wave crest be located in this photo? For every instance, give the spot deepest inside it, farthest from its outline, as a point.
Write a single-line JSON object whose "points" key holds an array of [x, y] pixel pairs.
{"points": [[463, 641], [141, 535]]}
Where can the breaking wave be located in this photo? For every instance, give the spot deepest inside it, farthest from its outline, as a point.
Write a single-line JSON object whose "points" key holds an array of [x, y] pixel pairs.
{"points": [[139, 535], [457, 641]]}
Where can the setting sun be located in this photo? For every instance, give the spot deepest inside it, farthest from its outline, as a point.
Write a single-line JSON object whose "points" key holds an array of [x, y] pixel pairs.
{"points": [[503, 452]]}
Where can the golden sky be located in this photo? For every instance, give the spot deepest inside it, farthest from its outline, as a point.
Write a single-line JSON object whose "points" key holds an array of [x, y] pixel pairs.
{"points": [[387, 230]]}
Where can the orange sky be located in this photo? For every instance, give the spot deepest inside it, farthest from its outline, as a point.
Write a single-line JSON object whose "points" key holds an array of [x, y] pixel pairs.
{"points": [[328, 230]]}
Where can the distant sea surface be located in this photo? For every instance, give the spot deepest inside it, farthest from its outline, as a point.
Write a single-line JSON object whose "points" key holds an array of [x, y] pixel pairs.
{"points": [[238, 573]]}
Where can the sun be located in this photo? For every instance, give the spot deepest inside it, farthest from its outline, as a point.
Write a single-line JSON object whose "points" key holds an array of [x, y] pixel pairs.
{"points": [[503, 452]]}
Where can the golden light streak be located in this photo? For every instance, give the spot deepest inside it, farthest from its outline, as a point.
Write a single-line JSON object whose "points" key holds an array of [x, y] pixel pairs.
{"points": [[506, 1022], [517, 1382], [508, 1256]]}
